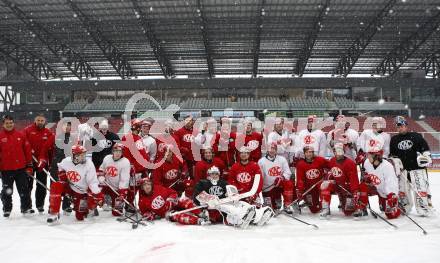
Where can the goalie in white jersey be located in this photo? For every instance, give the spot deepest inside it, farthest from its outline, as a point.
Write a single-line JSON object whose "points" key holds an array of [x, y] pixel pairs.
{"points": [[311, 137], [77, 177], [374, 138], [114, 175]]}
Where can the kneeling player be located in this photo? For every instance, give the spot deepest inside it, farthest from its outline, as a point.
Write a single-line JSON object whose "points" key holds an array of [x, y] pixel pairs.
{"points": [[379, 178], [77, 178], [342, 180], [114, 174], [238, 213], [157, 201]]}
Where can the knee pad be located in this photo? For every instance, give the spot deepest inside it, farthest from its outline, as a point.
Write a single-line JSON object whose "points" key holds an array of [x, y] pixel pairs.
{"points": [[288, 191]]}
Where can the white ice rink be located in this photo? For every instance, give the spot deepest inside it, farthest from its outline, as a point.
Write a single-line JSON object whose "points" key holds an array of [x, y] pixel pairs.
{"points": [[340, 239]]}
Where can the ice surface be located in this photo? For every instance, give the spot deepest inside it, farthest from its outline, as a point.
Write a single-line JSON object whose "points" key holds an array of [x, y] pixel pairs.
{"points": [[339, 239]]}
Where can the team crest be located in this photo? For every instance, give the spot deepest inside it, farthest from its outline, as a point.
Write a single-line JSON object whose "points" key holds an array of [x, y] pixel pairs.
{"points": [[309, 139], [111, 171], [157, 202], [275, 171], [312, 174], [73, 176], [336, 171], [244, 177], [171, 174]]}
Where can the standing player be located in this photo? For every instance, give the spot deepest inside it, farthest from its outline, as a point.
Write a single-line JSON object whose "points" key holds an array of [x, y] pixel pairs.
{"points": [[311, 137], [106, 144], [224, 143], [115, 171], [77, 177], [412, 149], [148, 140], [310, 172], [184, 138], [342, 180], [252, 140], [281, 138], [41, 140], [277, 180], [374, 138], [345, 135], [206, 137]]}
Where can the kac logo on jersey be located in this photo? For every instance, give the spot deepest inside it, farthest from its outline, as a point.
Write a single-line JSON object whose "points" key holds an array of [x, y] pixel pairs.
{"points": [[162, 147], [139, 145], [405, 145], [188, 138], [73, 176], [336, 172], [374, 179], [244, 177], [111, 171], [216, 190], [312, 174], [309, 139], [105, 144], [171, 174], [373, 143], [157, 202], [275, 171], [252, 145]]}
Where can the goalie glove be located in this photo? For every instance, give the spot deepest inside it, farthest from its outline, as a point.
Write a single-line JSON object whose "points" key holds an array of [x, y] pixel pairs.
{"points": [[424, 159]]}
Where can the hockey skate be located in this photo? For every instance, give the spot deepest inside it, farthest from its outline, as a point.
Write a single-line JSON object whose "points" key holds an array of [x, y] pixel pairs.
{"points": [[40, 210], [28, 212], [325, 213], [6, 214], [67, 211], [360, 214], [293, 208], [203, 221], [53, 219], [107, 203]]}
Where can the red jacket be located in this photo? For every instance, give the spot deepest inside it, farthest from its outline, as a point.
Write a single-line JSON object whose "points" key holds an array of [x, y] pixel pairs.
{"points": [[41, 141], [307, 174], [156, 202], [344, 173], [138, 145], [15, 151], [169, 172], [202, 167], [242, 176], [185, 140], [252, 141]]}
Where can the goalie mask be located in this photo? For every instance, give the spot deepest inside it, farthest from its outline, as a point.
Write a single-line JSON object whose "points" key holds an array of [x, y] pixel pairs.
{"points": [[213, 175], [78, 154]]}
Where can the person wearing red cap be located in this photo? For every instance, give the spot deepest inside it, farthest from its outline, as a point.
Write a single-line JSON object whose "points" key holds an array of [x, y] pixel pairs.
{"points": [[311, 137]]}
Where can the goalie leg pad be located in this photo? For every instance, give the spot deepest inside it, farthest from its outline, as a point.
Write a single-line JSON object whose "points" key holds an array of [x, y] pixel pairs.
{"points": [[419, 179], [263, 215]]}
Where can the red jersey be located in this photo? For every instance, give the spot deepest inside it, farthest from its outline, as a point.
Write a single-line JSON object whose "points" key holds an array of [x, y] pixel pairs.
{"points": [[170, 172], [15, 151], [138, 145], [309, 173], [242, 176], [344, 172], [184, 138], [202, 167], [41, 141], [162, 146], [224, 148], [253, 141], [155, 202]]}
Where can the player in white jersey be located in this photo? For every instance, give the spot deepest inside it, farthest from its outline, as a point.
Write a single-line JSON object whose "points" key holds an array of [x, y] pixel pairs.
{"points": [[77, 177], [345, 135], [379, 177], [148, 140], [311, 137], [276, 178], [283, 139], [206, 137], [374, 137], [114, 175]]}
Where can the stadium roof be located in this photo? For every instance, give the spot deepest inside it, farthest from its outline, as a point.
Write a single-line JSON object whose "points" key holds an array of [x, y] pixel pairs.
{"points": [[209, 38]]}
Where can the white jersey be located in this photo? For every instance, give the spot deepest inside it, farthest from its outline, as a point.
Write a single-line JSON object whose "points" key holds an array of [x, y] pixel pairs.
{"points": [[272, 169], [315, 138], [283, 141], [369, 139], [150, 146], [205, 140], [385, 179], [345, 137], [81, 176], [117, 173]]}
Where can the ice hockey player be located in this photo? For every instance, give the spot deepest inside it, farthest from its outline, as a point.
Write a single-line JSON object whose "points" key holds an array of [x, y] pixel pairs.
{"points": [[224, 143], [374, 137], [341, 179], [77, 178], [114, 176], [345, 135], [210, 191], [157, 201], [164, 139], [312, 137], [185, 140], [135, 152], [379, 178], [281, 138], [148, 140], [15, 166], [110, 138], [277, 179], [412, 149], [41, 140], [310, 172], [172, 173], [252, 140], [208, 160], [205, 138]]}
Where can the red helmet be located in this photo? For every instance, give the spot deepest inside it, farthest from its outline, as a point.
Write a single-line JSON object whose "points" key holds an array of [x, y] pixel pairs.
{"points": [[118, 146], [78, 149], [136, 124]]}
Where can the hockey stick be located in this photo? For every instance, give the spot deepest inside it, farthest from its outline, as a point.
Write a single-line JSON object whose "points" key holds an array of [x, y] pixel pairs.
{"points": [[38, 181], [299, 220], [228, 199], [412, 220], [45, 170]]}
